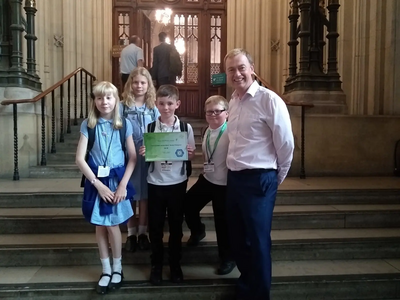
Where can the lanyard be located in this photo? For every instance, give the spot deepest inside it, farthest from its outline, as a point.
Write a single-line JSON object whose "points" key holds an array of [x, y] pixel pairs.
{"points": [[108, 151], [208, 147], [173, 126]]}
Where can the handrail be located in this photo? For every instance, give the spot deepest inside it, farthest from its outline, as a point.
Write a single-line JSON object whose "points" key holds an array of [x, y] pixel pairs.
{"points": [[83, 92], [303, 106], [290, 103], [49, 90]]}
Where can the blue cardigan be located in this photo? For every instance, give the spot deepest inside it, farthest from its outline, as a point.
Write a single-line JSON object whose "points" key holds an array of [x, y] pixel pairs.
{"points": [[90, 192]]}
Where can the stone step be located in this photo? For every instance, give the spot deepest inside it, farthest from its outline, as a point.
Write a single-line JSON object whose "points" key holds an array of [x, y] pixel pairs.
{"points": [[54, 198], [78, 249], [328, 280], [70, 220]]}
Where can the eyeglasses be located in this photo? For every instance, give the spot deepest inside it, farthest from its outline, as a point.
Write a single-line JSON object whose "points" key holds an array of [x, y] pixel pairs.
{"points": [[216, 112]]}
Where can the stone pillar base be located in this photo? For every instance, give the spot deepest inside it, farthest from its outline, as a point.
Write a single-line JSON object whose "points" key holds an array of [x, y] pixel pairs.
{"points": [[325, 102]]}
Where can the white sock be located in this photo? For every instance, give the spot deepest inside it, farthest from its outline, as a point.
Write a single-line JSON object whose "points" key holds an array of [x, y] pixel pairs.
{"points": [[142, 229], [132, 231], [105, 280], [117, 267]]}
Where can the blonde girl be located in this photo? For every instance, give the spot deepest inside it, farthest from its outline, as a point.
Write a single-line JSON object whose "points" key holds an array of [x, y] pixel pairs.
{"points": [[107, 185], [138, 106]]}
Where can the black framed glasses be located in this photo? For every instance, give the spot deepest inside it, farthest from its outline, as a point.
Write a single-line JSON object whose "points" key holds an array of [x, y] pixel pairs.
{"points": [[216, 112]]}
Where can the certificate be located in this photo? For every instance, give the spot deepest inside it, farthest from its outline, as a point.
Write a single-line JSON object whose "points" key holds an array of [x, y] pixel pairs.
{"points": [[166, 146]]}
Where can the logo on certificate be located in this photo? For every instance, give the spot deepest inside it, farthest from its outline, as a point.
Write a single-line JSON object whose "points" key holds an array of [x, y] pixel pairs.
{"points": [[179, 153]]}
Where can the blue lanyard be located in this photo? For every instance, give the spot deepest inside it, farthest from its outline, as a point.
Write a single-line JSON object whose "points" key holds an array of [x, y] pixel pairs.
{"points": [[108, 151]]}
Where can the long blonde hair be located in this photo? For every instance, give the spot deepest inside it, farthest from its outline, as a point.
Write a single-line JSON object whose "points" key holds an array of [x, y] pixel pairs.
{"points": [[100, 90], [128, 96]]}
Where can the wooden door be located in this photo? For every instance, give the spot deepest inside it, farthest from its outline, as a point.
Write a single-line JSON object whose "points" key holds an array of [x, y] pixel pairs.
{"points": [[198, 29]]}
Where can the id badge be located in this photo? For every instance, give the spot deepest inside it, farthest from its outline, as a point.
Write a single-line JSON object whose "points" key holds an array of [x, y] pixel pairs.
{"points": [[208, 167], [166, 166], [103, 171]]}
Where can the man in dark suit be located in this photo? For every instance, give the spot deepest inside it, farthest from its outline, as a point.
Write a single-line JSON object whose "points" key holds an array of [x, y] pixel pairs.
{"points": [[161, 60]]}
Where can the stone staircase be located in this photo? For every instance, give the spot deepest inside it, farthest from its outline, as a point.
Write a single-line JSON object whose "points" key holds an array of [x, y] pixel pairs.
{"points": [[329, 242], [62, 163]]}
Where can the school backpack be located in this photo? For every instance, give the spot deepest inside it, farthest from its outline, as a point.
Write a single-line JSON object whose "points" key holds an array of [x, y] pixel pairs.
{"points": [[91, 138], [175, 63], [397, 159], [184, 128]]}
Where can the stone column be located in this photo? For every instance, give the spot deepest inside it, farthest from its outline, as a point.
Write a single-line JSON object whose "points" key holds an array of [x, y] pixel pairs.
{"points": [[16, 29], [30, 8], [293, 18]]}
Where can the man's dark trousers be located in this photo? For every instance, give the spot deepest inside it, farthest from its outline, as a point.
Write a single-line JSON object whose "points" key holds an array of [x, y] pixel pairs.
{"points": [[251, 198]]}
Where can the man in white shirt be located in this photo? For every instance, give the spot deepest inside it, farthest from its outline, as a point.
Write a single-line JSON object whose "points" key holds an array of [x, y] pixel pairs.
{"points": [[131, 58], [259, 156]]}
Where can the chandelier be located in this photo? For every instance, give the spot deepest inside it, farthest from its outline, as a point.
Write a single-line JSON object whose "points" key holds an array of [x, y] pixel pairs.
{"points": [[163, 15]]}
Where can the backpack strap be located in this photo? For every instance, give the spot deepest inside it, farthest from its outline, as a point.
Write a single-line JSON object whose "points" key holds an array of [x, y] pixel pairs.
{"points": [[122, 135], [91, 137], [153, 114], [183, 126], [124, 114], [151, 127], [203, 132]]}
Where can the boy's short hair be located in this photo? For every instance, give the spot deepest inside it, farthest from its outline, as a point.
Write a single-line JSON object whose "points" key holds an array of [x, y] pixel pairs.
{"points": [[217, 100], [168, 90]]}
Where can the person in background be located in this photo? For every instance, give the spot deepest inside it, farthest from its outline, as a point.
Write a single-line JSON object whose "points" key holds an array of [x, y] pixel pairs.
{"points": [[131, 58], [160, 70], [139, 107], [259, 156]]}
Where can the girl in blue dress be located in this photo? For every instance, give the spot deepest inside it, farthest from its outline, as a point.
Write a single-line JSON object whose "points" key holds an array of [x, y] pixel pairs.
{"points": [[107, 188], [138, 106]]}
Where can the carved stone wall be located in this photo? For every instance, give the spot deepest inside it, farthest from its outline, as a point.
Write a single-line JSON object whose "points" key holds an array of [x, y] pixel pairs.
{"points": [[368, 48], [369, 59]]}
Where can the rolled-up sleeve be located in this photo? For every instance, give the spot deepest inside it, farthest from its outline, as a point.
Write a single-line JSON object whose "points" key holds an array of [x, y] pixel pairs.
{"points": [[282, 138]]}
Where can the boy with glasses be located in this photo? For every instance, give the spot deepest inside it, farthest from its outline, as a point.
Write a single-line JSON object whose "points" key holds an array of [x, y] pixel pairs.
{"points": [[211, 185]]}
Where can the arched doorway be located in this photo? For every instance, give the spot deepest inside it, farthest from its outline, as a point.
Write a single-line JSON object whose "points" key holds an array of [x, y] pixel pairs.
{"points": [[198, 29]]}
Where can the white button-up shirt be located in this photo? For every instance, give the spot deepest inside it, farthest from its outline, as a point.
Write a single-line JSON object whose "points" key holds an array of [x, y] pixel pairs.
{"points": [[260, 132]]}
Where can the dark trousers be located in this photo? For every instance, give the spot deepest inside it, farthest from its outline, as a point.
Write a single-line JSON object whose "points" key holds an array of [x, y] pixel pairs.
{"points": [[166, 199], [197, 197], [124, 79], [250, 204]]}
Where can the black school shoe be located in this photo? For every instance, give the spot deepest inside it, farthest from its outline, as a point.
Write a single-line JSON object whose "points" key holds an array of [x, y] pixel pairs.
{"points": [[176, 273], [102, 290], [156, 275], [226, 267], [131, 243], [116, 285], [194, 239], [143, 242]]}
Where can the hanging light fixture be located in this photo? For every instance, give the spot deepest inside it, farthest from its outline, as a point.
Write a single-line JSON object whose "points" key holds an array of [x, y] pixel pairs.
{"points": [[163, 15]]}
